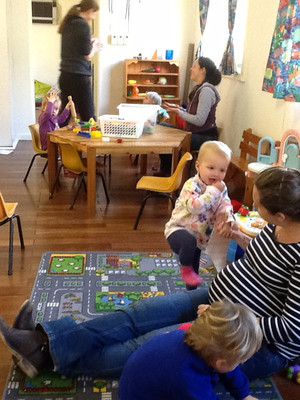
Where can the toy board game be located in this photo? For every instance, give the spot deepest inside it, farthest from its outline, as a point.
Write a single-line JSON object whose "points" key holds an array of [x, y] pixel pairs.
{"points": [[85, 285]]}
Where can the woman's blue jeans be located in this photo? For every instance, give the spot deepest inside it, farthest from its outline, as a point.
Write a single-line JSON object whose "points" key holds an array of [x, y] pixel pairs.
{"points": [[100, 347]]}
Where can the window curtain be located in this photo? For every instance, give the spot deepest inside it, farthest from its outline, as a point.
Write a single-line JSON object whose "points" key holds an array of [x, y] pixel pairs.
{"points": [[203, 10], [282, 75], [227, 63]]}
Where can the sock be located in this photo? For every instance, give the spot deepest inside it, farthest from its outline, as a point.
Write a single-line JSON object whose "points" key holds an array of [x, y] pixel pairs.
{"points": [[189, 276]]}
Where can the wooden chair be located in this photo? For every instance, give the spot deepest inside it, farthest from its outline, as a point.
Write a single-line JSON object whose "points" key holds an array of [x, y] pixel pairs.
{"points": [[162, 186], [7, 214], [71, 160], [36, 143]]}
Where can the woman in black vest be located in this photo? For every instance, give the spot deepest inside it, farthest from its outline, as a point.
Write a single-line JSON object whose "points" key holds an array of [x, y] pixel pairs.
{"points": [[200, 114], [77, 48]]}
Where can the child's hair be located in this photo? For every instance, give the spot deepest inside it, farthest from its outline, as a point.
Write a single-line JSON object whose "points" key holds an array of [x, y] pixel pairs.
{"points": [[216, 146], [225, 330], [45, 100], [155, 97], [83, 6], [213, 75], [279, 191]]}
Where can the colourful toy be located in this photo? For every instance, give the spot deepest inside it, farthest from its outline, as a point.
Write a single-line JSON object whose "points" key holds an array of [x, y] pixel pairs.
{"points": [[286, 155], [294, 372]]}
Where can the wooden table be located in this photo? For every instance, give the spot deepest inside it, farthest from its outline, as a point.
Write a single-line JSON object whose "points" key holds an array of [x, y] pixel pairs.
{"points": [[164, 140]]}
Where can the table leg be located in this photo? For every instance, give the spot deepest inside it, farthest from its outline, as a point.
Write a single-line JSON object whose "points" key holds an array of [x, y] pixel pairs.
{"points": [[175, 159], [52, 162], [143, 164], [91, 179]]}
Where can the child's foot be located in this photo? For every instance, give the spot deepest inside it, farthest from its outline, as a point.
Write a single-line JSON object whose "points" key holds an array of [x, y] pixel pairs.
{"points": [[189, 276]]}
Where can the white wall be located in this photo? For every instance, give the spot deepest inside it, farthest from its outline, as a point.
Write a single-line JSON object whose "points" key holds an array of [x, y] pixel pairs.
{"points": [[32, 51], [244, 105], [17, 89]]}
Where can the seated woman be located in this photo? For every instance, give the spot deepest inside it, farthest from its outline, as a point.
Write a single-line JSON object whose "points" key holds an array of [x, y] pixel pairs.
{"points": [[266, 281], [200, 114]]}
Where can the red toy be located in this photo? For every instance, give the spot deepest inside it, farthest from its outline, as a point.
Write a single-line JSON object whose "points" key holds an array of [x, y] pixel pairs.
{"points": [[243, 210], [119, 140]]}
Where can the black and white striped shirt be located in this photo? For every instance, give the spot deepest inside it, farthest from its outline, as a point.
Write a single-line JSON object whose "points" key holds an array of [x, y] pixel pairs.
{"points": [[267, 281]]}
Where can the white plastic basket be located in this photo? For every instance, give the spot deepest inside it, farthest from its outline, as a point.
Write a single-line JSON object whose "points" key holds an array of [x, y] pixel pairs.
{"points": [[146, 112], [117, 126]]}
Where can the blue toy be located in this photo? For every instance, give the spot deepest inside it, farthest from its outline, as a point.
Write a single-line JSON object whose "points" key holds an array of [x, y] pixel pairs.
{"points": [[270, 158], [84, 134], [294, 372]]}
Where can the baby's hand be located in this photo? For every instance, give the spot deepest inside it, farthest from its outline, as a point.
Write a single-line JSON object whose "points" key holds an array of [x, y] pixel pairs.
{"points": [[219, 185], [202, 308], [52, 95], [250, 398]]}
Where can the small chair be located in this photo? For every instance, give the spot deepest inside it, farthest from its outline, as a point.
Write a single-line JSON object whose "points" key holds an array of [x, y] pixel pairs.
{"points": [[71, 160], [162, 186], [36, 143], [7, 214]]}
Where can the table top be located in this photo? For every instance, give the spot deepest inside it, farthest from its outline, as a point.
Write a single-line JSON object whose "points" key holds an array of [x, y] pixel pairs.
{"points": [[164, 139]]}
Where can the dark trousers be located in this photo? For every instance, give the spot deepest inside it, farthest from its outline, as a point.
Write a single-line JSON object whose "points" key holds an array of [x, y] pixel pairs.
{"points": [[80, 88], [185, 245]]}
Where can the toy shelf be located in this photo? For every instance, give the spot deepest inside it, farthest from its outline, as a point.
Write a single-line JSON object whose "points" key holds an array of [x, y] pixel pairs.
{"points": [[147, 81]]}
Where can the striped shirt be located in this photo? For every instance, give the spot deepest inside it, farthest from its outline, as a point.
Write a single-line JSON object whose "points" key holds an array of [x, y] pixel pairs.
{"points": [[267, 281]]}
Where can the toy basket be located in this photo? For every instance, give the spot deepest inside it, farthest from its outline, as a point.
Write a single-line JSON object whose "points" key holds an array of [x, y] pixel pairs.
{"points": [[116, 126], [146, 112]]}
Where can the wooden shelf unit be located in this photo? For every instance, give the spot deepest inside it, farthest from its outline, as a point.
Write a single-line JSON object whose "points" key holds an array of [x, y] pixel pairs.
{"points": [[169, 69]]}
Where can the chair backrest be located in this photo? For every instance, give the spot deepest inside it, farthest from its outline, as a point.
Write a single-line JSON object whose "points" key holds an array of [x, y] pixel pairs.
{"points": [[3, 211], [35, 137], [177, 175], [249, 145], [70, 158]]}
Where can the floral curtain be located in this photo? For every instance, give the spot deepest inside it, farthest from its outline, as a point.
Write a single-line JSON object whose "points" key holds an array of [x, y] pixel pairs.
{"points": [[227, 63], [203, 10], [282, 75]]}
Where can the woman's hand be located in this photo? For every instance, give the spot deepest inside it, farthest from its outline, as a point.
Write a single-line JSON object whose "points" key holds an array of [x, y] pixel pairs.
{"points": [[169, 107], [202, 308]]}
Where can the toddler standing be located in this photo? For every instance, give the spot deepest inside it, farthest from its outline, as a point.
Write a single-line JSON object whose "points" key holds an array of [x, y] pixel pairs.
{"points": [[202, 199], [154, 98]]}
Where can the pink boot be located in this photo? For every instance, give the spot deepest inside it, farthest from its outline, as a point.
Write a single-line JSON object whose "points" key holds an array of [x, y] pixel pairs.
{"points": [[189, 276]]}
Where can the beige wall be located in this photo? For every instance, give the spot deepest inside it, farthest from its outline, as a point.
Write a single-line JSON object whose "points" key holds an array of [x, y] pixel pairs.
{"points": [[32, 51]]}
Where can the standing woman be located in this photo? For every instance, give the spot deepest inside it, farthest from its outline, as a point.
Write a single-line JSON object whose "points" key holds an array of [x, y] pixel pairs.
{"points": [[200, 114], [77, 48]]}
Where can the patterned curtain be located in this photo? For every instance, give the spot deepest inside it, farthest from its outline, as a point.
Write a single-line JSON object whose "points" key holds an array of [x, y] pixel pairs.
{"points": [[203, 10], [227, 63], [282, 75]]}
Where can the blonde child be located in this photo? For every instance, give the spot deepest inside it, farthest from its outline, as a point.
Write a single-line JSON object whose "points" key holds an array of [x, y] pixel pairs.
{"points": [[186, 364], [49, 120], [203, 198]]}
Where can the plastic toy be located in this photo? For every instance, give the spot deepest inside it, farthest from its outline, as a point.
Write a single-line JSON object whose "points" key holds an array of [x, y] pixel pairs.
{"points": [[294, 372], [119, 140], [95, 133], [84, 134], [286, 155], [162, 80], [244, 210], [135, 91]]}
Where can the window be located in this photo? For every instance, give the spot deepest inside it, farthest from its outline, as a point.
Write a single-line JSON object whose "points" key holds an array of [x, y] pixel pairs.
{"points": [[216, 32]]}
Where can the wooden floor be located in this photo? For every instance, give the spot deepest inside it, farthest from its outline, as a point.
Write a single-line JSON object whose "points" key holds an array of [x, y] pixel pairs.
{"points": [[49, 225]]}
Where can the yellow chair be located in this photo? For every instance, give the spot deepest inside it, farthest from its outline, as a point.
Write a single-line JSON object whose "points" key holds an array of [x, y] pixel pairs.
{"points": [[162, 186], [36, 143], [71, 160], [7, 214]]}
